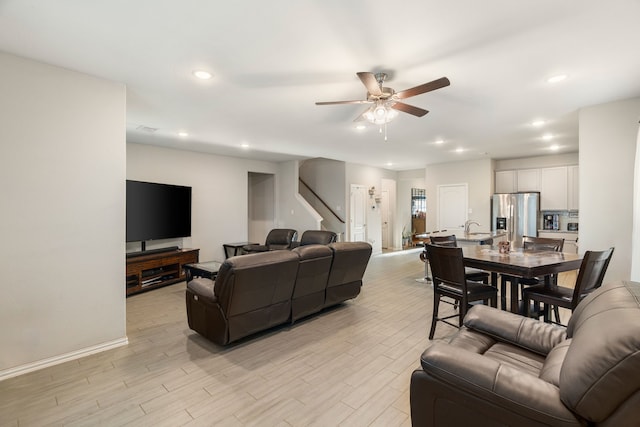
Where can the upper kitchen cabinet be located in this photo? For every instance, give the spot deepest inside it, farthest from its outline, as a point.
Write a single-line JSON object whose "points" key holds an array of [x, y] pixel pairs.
{"points": [[554, 189], [573, 188], [528, 180], [506, 182]]}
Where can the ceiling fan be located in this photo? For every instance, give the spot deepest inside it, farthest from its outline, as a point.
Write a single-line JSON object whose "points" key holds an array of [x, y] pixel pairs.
{"points": [[386, 101]]}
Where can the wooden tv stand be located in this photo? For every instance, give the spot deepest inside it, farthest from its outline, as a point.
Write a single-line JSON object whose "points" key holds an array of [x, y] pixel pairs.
{"points": [[150, 271]]}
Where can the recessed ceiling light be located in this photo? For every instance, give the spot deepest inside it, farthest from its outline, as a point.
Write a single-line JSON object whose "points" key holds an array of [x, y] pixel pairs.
{"points": [[556, 79], [459, 150], [389, 164], [201, 74], [244, 145], [439, 141], [547, 137], [183, 134], [537, 123], [554, 148], [361, 127]]}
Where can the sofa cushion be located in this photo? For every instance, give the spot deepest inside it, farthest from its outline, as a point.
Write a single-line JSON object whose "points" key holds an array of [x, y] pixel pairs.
{"points": [[602, 366], [505, 326]]}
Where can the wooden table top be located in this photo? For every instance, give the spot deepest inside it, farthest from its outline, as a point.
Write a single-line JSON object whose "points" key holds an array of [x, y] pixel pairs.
{"points": [[520, 263]]}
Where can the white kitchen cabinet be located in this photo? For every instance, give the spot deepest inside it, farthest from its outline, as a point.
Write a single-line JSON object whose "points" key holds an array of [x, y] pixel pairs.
{"points": [[553, 189], [506, 182], [573, 188], [528, 180]]}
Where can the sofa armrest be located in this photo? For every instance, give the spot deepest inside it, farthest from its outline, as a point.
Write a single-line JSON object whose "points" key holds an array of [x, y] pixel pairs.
{"points": [[203, 288], [531, 334], [483, 379]]}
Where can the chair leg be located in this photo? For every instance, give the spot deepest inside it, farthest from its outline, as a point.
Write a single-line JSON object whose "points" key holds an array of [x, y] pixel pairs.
{"points": [[526, 304], [503, 292], [464, 306], [434, 316], [545, 310], [556, 312]]}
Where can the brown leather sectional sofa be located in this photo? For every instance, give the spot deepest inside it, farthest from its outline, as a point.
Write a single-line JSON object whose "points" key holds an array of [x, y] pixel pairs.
{"points": [[502, 369], [255, 292]]}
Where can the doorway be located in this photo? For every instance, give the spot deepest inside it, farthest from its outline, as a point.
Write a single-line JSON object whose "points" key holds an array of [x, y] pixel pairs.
{"points": [[261, 205], [358, 213], [452, 206]]}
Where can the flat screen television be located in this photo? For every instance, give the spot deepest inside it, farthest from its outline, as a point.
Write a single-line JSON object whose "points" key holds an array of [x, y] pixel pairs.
{"points": [[157, 211]]}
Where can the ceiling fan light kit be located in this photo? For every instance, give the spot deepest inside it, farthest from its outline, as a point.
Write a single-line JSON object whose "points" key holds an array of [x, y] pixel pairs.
{"points": [[386, 101]]}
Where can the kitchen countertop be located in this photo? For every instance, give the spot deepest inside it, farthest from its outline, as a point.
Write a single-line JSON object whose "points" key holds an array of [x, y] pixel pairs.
{"points": [[557, 231], [473, 237]]}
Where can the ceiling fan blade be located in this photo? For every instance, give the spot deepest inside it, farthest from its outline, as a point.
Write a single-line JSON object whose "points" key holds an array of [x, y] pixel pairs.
{"points": [[343, 102], [427, 87], [370, 82], [406, 108]]}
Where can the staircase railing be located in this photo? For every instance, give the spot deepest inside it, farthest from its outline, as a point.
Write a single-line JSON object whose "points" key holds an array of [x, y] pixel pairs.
{"points": [[321, 201]]}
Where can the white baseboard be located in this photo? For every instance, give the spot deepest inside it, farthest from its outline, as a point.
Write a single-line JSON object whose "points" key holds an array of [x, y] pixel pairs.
{"points": [[56, 360]]}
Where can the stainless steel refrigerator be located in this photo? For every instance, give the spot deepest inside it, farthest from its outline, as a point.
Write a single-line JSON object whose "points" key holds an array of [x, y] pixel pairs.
{"points": [[518, 214]]}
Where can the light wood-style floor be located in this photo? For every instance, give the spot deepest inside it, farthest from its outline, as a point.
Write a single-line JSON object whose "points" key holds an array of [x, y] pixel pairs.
{"points": [[349, 366]]}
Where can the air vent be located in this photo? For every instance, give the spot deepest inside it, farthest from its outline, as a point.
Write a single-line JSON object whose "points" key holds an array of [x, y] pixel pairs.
{"points": [[146, 129]]}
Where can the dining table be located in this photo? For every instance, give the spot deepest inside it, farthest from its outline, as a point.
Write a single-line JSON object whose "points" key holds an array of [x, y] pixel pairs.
{"points": [[519, 263]]}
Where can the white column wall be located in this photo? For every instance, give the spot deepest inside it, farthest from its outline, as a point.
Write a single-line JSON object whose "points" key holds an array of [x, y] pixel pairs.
{"points": [[62, 168], [608, 135]]}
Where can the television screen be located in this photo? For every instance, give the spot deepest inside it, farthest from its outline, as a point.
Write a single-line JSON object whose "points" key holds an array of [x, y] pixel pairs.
{"points": [[157, 211]]}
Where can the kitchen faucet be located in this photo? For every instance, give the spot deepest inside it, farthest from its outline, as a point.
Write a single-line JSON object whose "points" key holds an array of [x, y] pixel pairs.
{"points": [[467, 225]]}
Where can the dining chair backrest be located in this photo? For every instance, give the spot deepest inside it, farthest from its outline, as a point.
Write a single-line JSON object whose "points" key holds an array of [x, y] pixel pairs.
{"points": [[542, 244], [447, 265], [591, 274], [450, 241]]}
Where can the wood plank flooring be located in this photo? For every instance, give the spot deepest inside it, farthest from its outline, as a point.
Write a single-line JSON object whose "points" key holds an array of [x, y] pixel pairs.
{"points": [[349, 366]]}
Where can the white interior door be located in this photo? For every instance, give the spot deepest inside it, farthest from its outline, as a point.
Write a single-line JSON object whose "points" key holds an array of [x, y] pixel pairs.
{"points": [[452, 206], [385, 218], [358, 214]]}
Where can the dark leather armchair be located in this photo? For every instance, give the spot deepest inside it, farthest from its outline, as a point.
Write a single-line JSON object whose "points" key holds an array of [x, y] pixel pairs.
{"points": [[315, 237], [504, 369], [251, 293], [278, 238]]}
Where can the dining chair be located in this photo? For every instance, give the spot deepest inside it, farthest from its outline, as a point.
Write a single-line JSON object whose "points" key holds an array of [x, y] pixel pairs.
{"points": [[592, 269], [447, 268], [470, 273], [530, 243]]}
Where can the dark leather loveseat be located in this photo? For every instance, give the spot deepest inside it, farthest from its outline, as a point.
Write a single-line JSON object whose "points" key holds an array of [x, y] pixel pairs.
{"points": [[501, 369], [255, 292]]}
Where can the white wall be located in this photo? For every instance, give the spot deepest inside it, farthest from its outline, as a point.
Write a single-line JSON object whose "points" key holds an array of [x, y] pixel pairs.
{"points": [[219, 184], [477, 174], [296, 213], [608, 135], [62, 168]]}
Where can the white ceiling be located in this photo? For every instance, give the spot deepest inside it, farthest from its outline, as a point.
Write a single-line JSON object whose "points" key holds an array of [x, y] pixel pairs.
{"points": [[272, 60]]}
